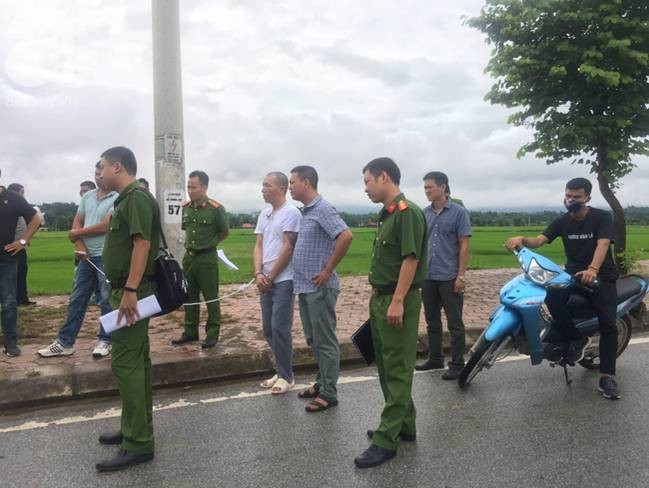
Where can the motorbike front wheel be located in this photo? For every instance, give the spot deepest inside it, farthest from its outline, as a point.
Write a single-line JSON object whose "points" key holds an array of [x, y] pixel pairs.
{"points": [[623, 325], [482, 354]]}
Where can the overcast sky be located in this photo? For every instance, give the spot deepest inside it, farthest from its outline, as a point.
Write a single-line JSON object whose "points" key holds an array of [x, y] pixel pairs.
{"points": [[268, 85]]}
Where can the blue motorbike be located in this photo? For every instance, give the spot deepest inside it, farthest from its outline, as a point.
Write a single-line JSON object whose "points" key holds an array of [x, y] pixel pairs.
{"points": [[522, 321]]}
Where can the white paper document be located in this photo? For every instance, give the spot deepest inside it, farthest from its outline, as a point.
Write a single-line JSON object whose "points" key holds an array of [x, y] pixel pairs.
{"points": [[146, 307], [225, 260]]}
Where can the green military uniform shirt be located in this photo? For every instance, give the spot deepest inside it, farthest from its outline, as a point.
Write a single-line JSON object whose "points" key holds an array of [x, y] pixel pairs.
{"points": [[203, 224], [135, 212], [401, 232]]}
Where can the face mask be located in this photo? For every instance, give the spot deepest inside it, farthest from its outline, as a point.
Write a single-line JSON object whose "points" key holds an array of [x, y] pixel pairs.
{"points": [[573, 205]]}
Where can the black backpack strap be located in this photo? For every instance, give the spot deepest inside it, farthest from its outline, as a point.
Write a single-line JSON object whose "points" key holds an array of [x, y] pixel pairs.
{"points": [[158, 218]]}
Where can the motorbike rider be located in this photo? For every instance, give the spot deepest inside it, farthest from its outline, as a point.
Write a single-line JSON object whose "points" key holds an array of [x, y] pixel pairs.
{"points": [[587, 234]]}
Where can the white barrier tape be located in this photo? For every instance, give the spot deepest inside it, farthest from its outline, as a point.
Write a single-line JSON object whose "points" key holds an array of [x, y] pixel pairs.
{"points": [[241, 288]]}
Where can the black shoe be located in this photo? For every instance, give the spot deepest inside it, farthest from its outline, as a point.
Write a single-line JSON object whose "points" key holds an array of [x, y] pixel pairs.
{"points": [[123, 460], [428, 364], [374, 456], [209, 342], [608, 388], [183, 339], [403, 437], [576, 350], [12, 350], [26, 303], [111, 438], [452, 373]]}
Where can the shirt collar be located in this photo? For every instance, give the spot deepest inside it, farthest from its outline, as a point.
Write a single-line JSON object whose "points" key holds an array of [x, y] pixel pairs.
{"points": [[203, 204], [389, 210], [126, 191], [446, 206], [107, 195], [312, 203], [271, 210]]}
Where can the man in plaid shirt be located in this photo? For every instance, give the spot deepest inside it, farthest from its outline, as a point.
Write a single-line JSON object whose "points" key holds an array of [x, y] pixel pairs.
{"points": [[323, 240]]}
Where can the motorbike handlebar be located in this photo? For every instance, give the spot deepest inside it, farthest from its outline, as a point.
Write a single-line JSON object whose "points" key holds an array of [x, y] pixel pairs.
{"points": [[588, 288]]}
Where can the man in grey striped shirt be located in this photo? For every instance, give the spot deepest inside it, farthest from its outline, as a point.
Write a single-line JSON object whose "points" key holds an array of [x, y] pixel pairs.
{"points": [[322, 242]]}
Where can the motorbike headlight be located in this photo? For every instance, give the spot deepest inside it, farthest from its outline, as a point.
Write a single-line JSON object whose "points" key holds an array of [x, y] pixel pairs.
{"points": [[539, 274]]}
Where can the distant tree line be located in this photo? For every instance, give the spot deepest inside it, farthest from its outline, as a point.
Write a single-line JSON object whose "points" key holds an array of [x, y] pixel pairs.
{"points": [[59, 216]]}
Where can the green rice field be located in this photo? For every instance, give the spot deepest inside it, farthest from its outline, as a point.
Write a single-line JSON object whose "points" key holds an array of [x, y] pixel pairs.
{"points": [[51, 262]]}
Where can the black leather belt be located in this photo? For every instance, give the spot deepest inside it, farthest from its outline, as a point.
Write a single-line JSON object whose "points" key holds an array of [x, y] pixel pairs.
{"points": [[390, 289], [198, 252]]}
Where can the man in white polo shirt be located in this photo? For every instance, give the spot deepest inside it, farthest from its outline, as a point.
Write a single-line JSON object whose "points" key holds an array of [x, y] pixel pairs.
{"points": [[276, 231], [88, 234]]}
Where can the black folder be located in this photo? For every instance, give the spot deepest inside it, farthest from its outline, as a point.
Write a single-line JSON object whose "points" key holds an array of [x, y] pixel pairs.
{"points": [[362, 339]]}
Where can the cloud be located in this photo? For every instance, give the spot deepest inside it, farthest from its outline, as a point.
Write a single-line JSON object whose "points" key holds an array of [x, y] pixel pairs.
{"points": [[267, 85]]}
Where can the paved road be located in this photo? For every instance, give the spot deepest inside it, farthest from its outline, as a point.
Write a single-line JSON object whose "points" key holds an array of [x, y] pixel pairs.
{"points": [[517, 426]]}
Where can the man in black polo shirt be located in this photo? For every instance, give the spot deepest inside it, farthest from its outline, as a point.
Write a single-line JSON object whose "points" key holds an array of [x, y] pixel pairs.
{"points": [[12, 206], [587, 234]]}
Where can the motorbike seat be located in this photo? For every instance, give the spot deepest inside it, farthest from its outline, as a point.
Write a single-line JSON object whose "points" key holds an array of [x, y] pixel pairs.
{"points": [[580, 306], [626, 288]]}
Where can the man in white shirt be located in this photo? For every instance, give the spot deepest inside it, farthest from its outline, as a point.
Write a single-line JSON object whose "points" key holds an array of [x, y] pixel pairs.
{"points": [[276, 232]]}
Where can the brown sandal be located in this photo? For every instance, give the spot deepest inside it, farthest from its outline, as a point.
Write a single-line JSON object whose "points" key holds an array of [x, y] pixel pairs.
{"points": [[310, 392], [318, 406]]}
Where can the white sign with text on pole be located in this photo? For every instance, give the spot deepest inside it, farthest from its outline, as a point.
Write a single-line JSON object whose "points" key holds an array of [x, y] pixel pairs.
{"points": [[173, 206]]}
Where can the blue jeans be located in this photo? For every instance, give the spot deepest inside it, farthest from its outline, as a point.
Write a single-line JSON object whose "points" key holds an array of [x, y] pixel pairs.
{"points": [[277, 322], [87, 279], [9, 315]]}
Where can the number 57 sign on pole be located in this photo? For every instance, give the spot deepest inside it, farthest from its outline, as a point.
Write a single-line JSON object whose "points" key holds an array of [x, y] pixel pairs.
{"points": [[173, 209]]}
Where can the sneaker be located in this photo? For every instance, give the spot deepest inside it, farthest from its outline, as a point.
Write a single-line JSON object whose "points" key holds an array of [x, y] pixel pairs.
{"points": [[608, 388], [56, 349], [102, 349], [577, 349], [12, 350], [429, 364]]}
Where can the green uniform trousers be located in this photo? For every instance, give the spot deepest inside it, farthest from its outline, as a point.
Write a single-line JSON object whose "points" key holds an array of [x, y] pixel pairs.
{"points": [[202, 274], [131, 367], [395, 352]]}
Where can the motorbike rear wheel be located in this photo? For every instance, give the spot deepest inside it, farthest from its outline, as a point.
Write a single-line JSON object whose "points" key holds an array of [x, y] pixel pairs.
{"points": [[483, 353], [623, 325]]}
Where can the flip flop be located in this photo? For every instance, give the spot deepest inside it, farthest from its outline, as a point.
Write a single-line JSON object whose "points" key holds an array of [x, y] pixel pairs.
{"points": [[270, 382], [308, 392], [281, 386], [316, 406]]}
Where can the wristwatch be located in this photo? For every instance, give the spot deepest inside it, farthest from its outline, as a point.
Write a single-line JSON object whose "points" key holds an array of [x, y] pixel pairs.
{"points": [[23, 242]]}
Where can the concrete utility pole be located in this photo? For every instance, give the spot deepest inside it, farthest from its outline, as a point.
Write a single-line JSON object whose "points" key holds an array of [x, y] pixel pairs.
{"points": [[168, 110]]}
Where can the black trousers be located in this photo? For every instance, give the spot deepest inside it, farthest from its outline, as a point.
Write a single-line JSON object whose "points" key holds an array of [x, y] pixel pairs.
{"points": [[604, 301], [435, 296], [21, 284]]}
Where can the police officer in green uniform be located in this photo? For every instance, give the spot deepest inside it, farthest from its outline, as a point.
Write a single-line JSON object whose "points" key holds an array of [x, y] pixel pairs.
{"points": [[130, 249], [397, 269], [205, 223]]}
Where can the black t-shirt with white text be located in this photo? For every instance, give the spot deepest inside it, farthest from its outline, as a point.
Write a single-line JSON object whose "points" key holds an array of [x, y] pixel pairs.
{"points": [[580, 240], [12, 206]]}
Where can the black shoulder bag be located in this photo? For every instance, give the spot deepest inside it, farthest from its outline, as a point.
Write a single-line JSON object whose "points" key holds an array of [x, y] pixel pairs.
{"points": [[171, 285]]}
